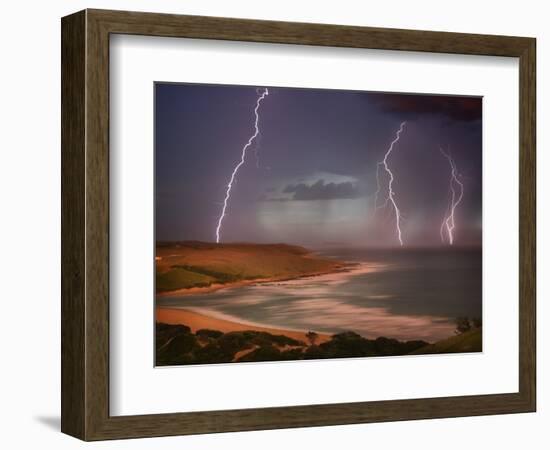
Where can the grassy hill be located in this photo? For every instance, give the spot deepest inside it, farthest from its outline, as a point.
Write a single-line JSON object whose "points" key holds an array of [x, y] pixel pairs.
{"points": [[469, 341], [185, 265]]}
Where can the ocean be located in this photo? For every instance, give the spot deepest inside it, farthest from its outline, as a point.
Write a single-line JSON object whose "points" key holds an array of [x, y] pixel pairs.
{"points": [[400, 293]]}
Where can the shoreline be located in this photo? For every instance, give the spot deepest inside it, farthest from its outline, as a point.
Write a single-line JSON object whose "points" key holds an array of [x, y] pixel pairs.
{"points": [[216, 344], [198, 320], [340, 267]]}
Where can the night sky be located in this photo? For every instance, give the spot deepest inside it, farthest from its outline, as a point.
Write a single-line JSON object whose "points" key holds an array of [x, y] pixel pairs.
{"points": [[310, 178]]}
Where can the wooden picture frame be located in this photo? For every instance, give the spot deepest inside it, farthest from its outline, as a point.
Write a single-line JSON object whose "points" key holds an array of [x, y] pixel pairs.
{"points": [[85, 224]]}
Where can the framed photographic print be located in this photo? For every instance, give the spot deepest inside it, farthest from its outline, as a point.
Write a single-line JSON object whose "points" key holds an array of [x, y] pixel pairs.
{"points": [[266, 224], [339, 229]]}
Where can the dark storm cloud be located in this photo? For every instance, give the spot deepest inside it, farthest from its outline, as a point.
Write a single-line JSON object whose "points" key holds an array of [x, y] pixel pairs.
{"points": [[465, 109], [322, 191]]}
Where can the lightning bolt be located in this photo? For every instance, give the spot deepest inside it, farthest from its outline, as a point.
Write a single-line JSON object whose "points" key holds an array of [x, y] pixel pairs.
{"points": [[258, 143], [391, 194], [448, 223], [263, 95]]}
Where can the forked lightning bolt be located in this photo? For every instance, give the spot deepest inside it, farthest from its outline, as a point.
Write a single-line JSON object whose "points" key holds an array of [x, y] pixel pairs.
{"points": [[391, 194], [448, 224], [263, 95]]}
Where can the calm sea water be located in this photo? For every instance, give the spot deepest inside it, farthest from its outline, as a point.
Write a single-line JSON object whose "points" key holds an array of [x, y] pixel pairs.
{"points": [[404, 294]]}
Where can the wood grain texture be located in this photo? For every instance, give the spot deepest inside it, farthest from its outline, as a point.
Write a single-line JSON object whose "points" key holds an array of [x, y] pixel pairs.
{"points": [[85, 224], [73, 226], [151, 24], [527, 224]]}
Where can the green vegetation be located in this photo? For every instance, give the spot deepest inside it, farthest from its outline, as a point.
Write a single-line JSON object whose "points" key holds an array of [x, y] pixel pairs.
{"points": [[196, 264], [179, 277], [350, 344], [206, 333], [464, 324], [165, 333], [220, 277], [177, 345], [469, 341]]}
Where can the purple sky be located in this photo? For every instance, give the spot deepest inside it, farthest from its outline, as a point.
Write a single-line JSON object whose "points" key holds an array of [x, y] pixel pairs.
{"points": [[317, 155]]}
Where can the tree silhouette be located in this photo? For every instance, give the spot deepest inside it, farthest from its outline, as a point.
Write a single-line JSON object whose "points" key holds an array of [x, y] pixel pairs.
{"points": [[462, 325], [311, 337]]}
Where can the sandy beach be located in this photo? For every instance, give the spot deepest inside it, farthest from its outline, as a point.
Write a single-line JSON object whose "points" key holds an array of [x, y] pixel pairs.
{"points": [[197, 321]]}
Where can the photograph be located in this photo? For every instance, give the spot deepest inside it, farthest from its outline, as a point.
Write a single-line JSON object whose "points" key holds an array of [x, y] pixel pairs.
{"points": [[300, 223]]}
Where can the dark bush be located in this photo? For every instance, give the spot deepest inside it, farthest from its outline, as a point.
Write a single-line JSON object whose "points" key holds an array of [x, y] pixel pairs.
{"points": [[178, 350], [462, 325], [292, 354], [411, 346], [282, 340], [314, 352], [346, 336], [205, 332], [175, 360], [266, 353], [385, 347], [262, 340], [164, 327], [182, 343], [165, 332], [232, 342], [348, 344], [175, 344], [212, 353]]}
